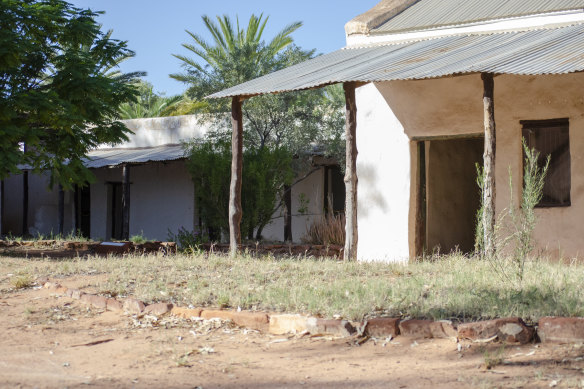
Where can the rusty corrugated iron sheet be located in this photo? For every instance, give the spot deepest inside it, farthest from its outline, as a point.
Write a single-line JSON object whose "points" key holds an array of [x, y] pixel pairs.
{"points": [[428, 14], [543, 51]]}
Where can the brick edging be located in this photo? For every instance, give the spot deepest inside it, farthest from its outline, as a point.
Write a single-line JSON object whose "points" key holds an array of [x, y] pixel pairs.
{"points": [[510, 329]]}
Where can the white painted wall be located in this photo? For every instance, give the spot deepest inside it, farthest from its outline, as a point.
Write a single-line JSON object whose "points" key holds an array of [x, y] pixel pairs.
{"points": [[150, 132], [554, 19], [312, 188], [161, 198], [383, 168], [43, 206]]}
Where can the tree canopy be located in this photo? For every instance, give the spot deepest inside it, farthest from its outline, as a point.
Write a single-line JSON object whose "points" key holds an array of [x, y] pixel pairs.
{"points": [[277, 127], [58, 95]]}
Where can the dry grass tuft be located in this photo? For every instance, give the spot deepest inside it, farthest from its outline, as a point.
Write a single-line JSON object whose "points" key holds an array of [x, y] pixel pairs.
{"points": [[328, 229], [447, 287]]}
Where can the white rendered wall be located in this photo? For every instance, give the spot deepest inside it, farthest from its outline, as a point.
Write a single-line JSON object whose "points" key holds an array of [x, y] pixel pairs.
{"points": [[312, 188], [149, 132], [383, 169], [43, 206], [161, 198]]}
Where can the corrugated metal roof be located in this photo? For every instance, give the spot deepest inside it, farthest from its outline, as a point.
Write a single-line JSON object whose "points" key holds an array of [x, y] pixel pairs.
{"points": [[441, 13], [113, 157], [546, 51]]}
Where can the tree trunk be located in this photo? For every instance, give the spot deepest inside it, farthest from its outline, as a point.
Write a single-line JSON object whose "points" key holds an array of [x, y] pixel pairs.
{"points": [[287, 213], [489, 166], [351, 235], [61, 210], [125, 202], [235, 211], [1, 207]]}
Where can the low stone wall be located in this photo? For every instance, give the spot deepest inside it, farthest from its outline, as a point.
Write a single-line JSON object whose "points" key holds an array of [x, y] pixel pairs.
{"points": [[509, 330]]}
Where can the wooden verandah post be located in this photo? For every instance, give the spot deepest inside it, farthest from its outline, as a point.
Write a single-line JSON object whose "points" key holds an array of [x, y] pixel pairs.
{"points": [[489, 165], [351, 235], [61, 210], [125, 202], [235, 211]]}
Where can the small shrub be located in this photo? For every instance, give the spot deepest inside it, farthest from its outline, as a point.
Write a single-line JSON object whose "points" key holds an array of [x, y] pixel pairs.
{"points": [[187, 240], [139, 238], [22, 282], [328, 229]]}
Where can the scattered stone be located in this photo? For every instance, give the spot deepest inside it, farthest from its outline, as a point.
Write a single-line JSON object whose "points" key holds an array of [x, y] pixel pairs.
{"points": [[382, 327], [114, 305], [95, 300], [186, 313], [134, 306], [330, 327], [510, 329], [158, 308], [561, 329], [421, 329], [287, 323], [217, 314], [254, 320], [76, 294]]}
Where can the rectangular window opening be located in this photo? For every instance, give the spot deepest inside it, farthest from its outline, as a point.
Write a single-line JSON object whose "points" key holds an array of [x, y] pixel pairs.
{"points": [[551, 137]]}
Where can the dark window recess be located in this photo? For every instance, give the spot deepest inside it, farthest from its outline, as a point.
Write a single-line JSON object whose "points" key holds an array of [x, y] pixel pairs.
{"points": [[551, 137], [334, 189]]}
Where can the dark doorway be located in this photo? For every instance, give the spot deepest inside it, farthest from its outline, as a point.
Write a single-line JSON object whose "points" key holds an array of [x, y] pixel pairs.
{"points": [[334, 189], [83, 210], [116, 210], [453, 197]]}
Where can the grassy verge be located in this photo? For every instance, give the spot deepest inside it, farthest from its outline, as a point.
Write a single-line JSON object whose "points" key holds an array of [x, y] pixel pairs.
{"points": [[452, 287]]}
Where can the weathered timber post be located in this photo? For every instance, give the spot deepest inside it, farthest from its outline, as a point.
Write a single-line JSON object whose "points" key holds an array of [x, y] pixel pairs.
{"points": [[235, 211], [61, 209], [25, 203], [489, 165], [420, 239], [287, 213], [351, 235], [1, 207], [125, 202]]}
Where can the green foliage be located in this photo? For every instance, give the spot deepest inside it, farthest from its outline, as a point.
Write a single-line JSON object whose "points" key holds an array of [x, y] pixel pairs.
{"points": [[148, 104], [58, 95], [523, 219], [187, 240], [480, 227], [265, 172], [515, 226], [294, 120]]}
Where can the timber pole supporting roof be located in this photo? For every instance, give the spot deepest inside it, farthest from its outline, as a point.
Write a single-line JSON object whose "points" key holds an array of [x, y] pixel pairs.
{"points": [[533, 52]]}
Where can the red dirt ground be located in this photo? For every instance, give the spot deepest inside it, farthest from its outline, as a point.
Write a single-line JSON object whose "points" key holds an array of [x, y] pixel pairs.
{"points": [[55, 342]]}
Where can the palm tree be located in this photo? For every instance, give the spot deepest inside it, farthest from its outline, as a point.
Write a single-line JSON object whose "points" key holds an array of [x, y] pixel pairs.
{"points": [[236, 54], [148, 104]]}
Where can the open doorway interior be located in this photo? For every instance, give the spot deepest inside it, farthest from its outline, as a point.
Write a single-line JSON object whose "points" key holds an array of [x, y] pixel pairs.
{"points": [[114, 215], [453, 196]]}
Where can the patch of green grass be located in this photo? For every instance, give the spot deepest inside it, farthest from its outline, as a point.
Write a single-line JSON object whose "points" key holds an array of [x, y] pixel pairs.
{"points": [[22, 281], [450, 287]]}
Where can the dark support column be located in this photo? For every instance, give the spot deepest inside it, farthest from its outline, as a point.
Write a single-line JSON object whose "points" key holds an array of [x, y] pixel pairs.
{"points": [[235, 211], [61, 209], [76, 213], [326, 190], [125, 202], [1, 207], [489, 165], [351, 236], [287, 213], [421, 202], [25, 203]]}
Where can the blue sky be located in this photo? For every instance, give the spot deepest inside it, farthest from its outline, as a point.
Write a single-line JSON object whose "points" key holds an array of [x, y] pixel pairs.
{"points": [[155, 29]]}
